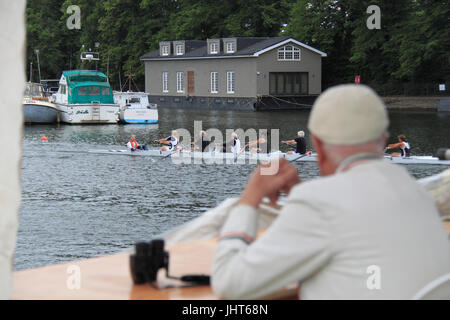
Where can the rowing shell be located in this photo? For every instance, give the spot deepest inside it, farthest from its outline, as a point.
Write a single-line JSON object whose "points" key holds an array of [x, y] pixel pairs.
{"points": [[247, 157], [186, 156]]}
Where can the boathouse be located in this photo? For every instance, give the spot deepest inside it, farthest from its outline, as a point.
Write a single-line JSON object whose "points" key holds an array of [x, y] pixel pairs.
{"points": [[234, 73]]}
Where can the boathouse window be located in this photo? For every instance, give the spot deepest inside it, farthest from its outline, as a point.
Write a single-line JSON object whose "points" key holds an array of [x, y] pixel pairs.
{"points": [[94, 91], [165, 50], [214, 82], [180, 82], [105, 91], [213, 48], [288, 83], [63, 89], [179, 49], [289, 53], [230, 81], [82, 91], [230, 47], [165, 82]]}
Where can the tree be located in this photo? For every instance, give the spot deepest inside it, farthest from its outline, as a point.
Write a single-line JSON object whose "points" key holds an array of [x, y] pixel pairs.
{"points": [[424, 43], [376, 52], [129, 29], [44, 33], [327, 26]]}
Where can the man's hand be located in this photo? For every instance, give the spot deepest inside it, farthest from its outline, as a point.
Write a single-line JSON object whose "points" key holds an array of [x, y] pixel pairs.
{"points": [[260, 186]]}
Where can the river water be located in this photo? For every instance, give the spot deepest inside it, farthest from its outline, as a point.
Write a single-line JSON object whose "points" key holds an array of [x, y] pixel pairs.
{"points": [[79, 205]]}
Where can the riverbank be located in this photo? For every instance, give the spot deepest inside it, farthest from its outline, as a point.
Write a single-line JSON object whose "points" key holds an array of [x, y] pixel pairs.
{"points": [[393, 103], [402, 103]]}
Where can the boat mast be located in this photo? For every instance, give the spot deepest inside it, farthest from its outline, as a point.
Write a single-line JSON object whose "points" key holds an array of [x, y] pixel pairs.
{"points": [[120, 80], [130, 76], [107, 68], [31, 71], [39, 67], [89, 56]]}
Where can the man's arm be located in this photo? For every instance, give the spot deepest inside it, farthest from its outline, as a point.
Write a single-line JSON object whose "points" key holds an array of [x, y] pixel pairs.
{"points": [[289, 142], [395, 145], [294, 247]]}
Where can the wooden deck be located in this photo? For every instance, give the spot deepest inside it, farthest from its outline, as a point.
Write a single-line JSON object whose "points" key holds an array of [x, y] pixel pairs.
{"points": [[109, 277]]}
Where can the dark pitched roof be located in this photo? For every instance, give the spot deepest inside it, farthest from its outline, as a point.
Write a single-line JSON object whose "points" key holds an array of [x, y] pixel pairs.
{"points": [[247, 46]]}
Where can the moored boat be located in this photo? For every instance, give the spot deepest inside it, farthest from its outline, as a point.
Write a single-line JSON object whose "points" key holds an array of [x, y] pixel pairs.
{"points": [[36, 107], [85, 96], [50, 86], [135, 107]]}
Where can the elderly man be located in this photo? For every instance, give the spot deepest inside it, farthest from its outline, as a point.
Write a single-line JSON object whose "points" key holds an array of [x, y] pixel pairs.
{"points": [[299, 143], [365, 230]]}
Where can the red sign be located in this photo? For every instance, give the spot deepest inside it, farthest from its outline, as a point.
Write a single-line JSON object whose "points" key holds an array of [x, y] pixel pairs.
{"points": [[357, 79]]}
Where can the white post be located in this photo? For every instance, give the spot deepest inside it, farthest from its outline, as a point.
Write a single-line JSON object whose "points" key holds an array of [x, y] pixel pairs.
{"points": [[12, 81]]}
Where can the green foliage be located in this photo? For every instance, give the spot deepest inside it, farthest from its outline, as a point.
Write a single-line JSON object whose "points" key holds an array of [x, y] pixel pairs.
{"points": [[411, 46]]}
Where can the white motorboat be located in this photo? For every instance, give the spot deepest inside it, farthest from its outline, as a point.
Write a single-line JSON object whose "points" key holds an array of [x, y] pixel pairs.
{"points": [[135, 107], [85, 96]]}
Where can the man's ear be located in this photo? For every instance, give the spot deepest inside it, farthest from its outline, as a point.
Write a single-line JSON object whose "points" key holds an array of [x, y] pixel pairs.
{"points": [[318, 146]]}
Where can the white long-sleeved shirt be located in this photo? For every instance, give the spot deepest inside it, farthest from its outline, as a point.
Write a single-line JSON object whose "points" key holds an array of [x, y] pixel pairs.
{"points": [[236, 148], [331, 235]]}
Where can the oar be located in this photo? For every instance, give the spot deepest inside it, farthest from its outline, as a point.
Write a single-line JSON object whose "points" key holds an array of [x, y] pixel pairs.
{"points": [[174, 151], [299, 157], [166, 156]]}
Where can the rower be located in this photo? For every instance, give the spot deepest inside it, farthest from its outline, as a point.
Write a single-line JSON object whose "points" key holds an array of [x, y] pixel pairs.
{"points": [[259, 145], [234, 144], [202, 142], [299, 143], [133, 145], [403, 145], [169, 142]]}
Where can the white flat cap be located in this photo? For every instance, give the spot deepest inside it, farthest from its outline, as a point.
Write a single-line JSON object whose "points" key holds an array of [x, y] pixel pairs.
{"points": [[348, 115]]}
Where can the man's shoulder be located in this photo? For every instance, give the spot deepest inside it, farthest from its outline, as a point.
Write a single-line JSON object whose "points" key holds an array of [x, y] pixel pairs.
{"points": [[377, 173], [313, 188]]}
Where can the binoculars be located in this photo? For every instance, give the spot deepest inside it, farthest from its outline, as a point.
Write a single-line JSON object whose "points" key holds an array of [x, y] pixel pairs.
{"points": [[149, 258]]}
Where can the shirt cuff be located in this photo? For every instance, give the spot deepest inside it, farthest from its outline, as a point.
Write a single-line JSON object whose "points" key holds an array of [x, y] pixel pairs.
{"points": [[242, 223]]}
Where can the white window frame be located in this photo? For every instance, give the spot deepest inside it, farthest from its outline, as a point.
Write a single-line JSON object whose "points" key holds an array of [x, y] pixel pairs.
{"points": [[214, 82], [293, 52], [180, 82], [165, 50], [179, 49], [215, 46], [165, 81], [230, 81], [230, 47]]}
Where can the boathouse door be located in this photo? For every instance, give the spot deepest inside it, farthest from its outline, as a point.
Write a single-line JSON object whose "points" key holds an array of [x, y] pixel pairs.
{"points": [[190, 84], [288, 83]]}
